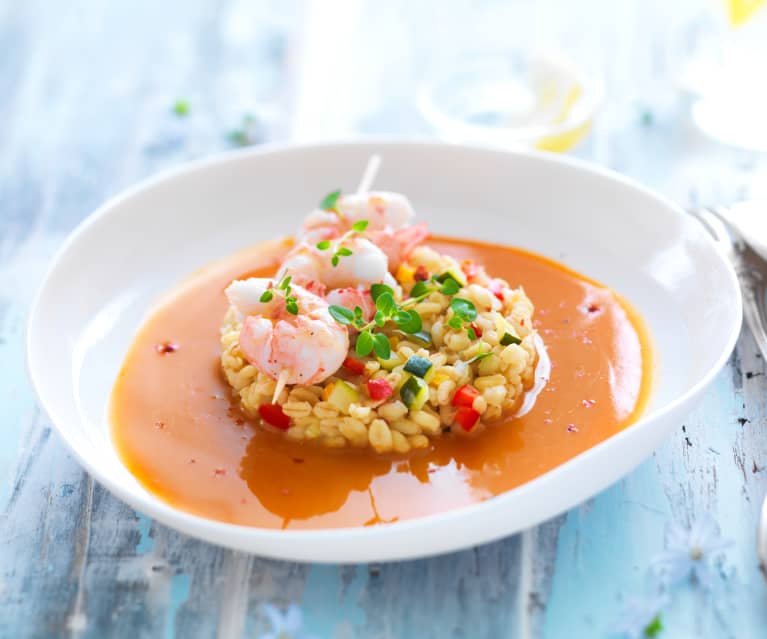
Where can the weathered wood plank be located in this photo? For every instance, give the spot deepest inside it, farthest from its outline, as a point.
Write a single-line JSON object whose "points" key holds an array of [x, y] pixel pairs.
{"points": [[74, 138]]}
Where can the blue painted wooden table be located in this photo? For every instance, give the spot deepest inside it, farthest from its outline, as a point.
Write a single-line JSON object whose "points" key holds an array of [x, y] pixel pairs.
{"points": [[86, 103]]}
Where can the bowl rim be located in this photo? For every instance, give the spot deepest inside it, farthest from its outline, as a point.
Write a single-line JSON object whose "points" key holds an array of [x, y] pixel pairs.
{"points": [[209, 529]]}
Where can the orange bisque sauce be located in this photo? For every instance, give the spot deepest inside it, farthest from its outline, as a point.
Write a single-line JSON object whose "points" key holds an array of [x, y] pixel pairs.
{"points": [[175, 427]]}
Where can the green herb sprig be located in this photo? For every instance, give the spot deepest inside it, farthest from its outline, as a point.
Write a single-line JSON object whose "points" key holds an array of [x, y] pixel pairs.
{"points": [[343, 251], [387, 310], [282, 289], [447, 286], [406, 319], [464, 312]]}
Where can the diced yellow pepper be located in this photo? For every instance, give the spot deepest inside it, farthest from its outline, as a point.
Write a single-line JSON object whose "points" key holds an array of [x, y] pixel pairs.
{"points": [[326, 391], [405, 274], [439, 378]]}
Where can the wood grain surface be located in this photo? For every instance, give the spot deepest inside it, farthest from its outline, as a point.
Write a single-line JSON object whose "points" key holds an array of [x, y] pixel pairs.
{"points": [[86, 108]]}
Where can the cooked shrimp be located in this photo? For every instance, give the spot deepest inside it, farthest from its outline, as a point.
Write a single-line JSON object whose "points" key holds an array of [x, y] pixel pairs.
{"points": [[351, 297], [306, 348], [398, 244], [367, 265], [381, 209]]}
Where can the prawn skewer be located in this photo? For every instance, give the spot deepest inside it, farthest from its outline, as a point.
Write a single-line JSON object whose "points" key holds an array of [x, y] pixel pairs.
{"points": [[303, 348], [389, 217]]}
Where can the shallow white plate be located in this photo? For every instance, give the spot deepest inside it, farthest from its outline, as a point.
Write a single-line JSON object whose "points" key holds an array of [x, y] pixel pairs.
{"points": [[140, 244]]}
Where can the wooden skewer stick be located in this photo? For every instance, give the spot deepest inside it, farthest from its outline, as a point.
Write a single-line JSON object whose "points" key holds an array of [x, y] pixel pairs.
{"points": [[281, 381], [369, 176]]}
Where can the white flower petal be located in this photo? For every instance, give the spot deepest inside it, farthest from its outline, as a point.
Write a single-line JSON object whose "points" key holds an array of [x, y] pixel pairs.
{"points": [[703, 531], [677, 537]]}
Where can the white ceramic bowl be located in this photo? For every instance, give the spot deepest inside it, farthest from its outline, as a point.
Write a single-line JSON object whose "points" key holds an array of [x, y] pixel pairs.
{"points": [[141, 243]]}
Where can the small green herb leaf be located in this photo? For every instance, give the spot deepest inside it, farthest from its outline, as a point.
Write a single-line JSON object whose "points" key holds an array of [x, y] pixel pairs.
{"points": [[472, 333], [291, 305], [464, 309], [379, 318], [360, 226], [357, 312], [324, 245], [419, 289], [408, 321], [344, 252], [341, 314], [381, 346], [385, 303], [450, 287], [181, 108], [334, 260], [654, 628], [378, 289], [285, 283], [266, 296], [455, 322], [330, 200], [365, 343], [480, 356]]}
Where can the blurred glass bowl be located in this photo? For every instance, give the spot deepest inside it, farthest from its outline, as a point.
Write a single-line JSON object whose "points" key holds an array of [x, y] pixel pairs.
{"points": [[519, 99]]}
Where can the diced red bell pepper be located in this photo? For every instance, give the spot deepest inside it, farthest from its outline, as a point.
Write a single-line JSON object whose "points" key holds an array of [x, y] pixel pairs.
{"points": [[356, 366], [465, 396], [477, 329], [272, 414], [379, 389], [496, 288], [421, 274], [470, 268], [466, 417]]}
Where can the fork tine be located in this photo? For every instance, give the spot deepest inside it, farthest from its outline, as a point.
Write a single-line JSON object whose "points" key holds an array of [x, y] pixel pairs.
{"points": [[715, 223]]}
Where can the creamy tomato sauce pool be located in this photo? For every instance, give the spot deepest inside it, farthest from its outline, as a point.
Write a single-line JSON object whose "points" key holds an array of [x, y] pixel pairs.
{"points": [[176, 430]]}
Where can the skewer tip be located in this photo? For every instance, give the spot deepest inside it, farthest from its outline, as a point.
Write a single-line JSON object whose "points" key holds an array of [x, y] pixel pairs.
{"points": [[281, 381], [369, 175]]}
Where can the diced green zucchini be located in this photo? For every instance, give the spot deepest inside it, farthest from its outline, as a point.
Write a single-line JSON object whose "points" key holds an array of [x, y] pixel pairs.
{"points": [[509, 338], [420, 366], [414, 393], [342, 395], [453, 274], [388, 364], [424, 337]]}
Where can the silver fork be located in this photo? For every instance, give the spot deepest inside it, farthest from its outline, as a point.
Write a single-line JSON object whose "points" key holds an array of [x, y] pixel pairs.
{"points": [[751, 270]]}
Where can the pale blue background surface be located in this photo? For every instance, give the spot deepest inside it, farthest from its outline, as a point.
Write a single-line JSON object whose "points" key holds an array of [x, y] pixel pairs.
{"points": [[85, 97]]}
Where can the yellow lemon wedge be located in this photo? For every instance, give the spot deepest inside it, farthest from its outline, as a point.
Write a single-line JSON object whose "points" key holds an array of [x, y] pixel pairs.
{"points": [[559, 92], [566, 140]]}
